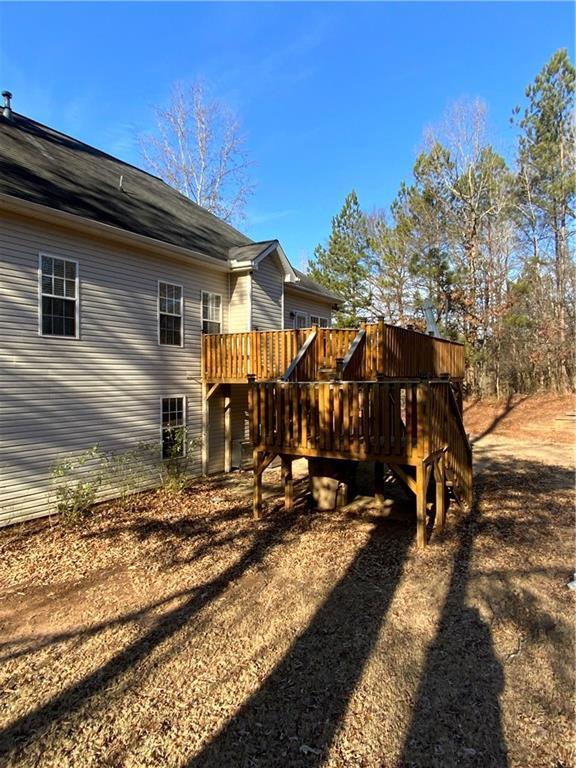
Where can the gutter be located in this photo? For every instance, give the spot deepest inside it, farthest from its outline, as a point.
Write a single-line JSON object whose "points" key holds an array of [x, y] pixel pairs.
{"points": [[73, 221]]}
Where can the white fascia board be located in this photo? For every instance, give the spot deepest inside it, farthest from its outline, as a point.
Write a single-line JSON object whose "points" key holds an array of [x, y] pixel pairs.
{"points": [[239, 266]]}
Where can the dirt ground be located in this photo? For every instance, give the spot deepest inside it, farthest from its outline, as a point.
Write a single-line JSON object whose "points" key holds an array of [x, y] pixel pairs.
{"points": [[543, 418], [180, 633]]}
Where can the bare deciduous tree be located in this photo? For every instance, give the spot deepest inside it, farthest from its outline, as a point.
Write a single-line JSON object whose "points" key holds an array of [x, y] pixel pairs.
{"points": [[198, 148]]}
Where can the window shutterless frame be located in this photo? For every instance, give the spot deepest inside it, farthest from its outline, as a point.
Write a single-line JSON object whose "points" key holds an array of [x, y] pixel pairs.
{"points": [[75, 298], [170, 314], [300, 316], [208, 295], [163, 427]]}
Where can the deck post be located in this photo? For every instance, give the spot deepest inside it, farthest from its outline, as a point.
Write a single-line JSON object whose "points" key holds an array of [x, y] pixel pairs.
{"points": [[423, 418], [227, 429], [440, 482], [421, 538], [257, 489], [379, 482], [287, 482]]}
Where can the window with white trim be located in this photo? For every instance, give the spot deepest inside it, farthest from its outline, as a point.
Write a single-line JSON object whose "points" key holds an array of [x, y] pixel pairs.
{"points": [[173, 427], [170, 314], [58, 296], [321, 322], [211, 312], [300, 320]]}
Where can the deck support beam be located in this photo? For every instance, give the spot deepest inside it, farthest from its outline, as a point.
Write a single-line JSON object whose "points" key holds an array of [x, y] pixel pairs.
{"points": [[421, 488], [257, 489], [440, 483], [262, 460], [205, 431], [227, 429]]}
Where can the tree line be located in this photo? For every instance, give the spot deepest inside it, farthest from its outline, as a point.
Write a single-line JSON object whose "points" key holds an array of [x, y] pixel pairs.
{"points": [[486, 243]]}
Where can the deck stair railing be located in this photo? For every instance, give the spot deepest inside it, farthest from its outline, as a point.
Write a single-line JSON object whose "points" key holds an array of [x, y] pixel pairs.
{"points": [[446, 421]]}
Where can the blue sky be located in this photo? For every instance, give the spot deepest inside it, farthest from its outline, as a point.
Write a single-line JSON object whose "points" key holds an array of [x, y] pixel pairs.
{"points": [[331, 96]]}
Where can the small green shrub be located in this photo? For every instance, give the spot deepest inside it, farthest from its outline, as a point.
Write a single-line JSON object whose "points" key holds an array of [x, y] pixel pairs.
{"points": [[77, 484], [175, 468], [123, 472], [77, 480]]}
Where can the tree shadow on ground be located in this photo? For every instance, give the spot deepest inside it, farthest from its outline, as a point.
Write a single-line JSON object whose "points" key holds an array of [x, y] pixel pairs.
{"points": [[509, 406], [457, 720], [29, 727], [293, 717]]}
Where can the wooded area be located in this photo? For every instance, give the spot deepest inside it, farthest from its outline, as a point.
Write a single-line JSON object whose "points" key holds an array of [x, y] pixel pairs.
{"points": [[488, 243]]}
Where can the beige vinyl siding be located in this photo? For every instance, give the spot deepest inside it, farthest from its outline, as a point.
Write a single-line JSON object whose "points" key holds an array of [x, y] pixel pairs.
{"points": [[295, 301], [60, 396], [239, 422], [239, 312], [267, 289], [216, 433]]}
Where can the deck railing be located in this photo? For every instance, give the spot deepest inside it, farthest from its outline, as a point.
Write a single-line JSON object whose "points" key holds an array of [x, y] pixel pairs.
{"points": [[405, 420], [385, 350], [356, 420], [233, 357], [402, 352]]}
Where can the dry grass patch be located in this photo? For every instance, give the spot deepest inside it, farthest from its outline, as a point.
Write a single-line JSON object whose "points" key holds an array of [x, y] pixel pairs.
{"points": [[182, 633], [544, 418]]}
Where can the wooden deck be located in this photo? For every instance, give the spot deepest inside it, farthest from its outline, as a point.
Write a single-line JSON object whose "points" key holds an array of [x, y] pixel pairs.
{"points": [[413, 426], [377, 393]]}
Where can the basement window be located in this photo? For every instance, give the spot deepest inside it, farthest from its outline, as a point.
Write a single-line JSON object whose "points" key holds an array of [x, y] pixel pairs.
{"points": [[170, 314], [173, 427], [211, 312], [58, 289]]}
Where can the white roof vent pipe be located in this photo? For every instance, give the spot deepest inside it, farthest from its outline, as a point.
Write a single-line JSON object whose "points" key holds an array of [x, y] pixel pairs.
{"points": [[7, 108], [431, 324]]}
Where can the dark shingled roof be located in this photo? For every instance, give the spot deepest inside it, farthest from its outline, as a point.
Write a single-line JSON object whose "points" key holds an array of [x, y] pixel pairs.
{"points": [[310, 285], [43, 166], [251, 251]]}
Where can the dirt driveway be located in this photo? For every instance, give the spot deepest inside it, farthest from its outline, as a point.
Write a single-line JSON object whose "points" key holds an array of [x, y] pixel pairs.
{"points": [[179, 633]]}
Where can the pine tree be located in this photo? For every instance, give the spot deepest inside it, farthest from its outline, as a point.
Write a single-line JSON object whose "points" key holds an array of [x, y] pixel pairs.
{"points": [[546, 186], [343, 265]]}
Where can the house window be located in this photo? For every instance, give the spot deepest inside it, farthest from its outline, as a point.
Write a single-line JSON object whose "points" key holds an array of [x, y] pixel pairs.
{"points": [[211, 312], [300, 320], [321, 322], [173, 427], [170, 314], [58, 296]]}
